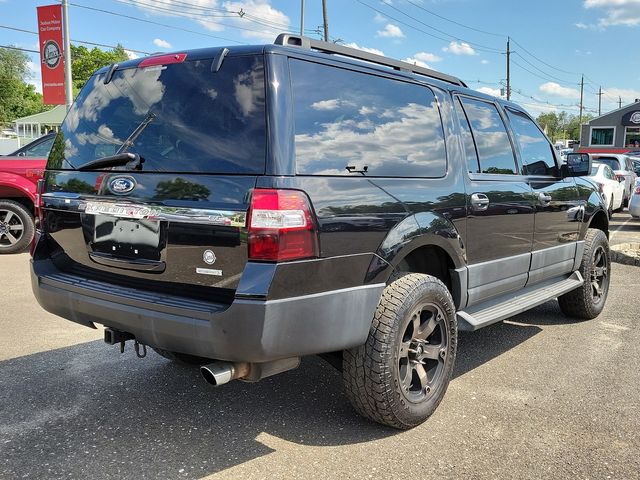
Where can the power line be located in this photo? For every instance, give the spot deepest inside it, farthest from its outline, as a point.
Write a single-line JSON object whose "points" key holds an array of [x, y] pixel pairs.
{"points": [[11, 47], [454, 22], [73, 40], [550, 77], [446, 40], [143, 20]]}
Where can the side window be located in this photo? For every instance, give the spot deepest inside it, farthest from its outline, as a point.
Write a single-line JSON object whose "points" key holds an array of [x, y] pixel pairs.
{"points": [[492, 141], [41, 150], [609, 173], [536, 151], [349, 119], [467, 139]]}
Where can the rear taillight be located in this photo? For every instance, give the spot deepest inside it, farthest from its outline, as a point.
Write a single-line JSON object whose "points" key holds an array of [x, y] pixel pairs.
{"points": [[637, 189], [620, 178], [281, 226]]}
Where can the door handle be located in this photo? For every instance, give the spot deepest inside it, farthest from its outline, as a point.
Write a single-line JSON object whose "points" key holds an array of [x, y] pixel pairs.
{"points": [[544, 198], [479, 202]]}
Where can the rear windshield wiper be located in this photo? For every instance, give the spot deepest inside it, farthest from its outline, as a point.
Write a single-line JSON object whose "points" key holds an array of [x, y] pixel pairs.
{"points": [[131, 160]]}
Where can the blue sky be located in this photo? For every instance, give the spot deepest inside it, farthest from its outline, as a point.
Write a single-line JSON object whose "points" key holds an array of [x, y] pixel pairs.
{"points": [[554, 42]]}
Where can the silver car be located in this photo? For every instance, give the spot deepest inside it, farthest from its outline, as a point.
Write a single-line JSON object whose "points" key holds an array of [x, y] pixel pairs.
{"points": [[634, 203]]}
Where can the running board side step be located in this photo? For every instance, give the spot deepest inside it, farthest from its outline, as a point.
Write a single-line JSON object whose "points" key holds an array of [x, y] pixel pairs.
{"points": [[513, 303]]}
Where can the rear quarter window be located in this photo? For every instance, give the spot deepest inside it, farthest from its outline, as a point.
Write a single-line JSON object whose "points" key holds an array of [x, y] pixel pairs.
{"points": [[349, 119]]}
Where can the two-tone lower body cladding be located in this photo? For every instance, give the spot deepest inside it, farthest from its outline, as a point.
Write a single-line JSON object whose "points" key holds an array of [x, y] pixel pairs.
{"points": [[257, 326]]}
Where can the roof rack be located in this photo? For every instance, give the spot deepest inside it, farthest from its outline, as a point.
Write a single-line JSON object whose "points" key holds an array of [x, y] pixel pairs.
{"points": [[312, 44]]}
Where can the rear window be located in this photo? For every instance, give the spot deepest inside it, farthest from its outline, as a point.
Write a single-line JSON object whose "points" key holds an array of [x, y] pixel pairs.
{"points": [[613, 163], [367, 123], [188, 118]]}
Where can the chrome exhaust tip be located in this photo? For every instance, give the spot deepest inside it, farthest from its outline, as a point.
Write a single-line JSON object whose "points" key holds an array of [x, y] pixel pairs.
{"points": [[219, 373]]}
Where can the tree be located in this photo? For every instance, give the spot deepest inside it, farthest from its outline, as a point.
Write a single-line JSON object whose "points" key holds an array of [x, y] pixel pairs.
{"points": [[17, 97], [561, 125], [85, 62]]}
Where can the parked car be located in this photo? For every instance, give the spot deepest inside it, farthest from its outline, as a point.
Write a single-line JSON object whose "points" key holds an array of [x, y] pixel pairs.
{"points": [[634, 203], [19, 174], [38, 148], [622, 166], [611, 188], [242, 207]]}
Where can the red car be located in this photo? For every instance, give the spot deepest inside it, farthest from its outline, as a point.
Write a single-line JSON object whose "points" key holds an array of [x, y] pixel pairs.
{"points": [[19, 174]]}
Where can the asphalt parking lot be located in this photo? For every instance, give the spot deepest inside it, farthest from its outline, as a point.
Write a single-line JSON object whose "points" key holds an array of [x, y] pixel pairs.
{"points": [[537, 396]]}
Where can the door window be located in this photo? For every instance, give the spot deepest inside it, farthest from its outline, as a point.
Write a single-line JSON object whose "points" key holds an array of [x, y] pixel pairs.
{"points": [[535, 149], [491, 139]]}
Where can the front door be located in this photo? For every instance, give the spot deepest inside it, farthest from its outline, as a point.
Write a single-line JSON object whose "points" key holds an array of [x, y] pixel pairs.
{"points": [[500, 206], [557, 211]]}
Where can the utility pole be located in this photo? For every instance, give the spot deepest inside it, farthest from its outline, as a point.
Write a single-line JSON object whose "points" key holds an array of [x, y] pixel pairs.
{"points": [[301, 18], [325, 20], [581, 97], [619, 102], [600, 101], [68, 87], [508, 70]]}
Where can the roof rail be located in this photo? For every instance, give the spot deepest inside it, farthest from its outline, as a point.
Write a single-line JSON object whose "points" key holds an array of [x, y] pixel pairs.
{"points": [[312, 44]]}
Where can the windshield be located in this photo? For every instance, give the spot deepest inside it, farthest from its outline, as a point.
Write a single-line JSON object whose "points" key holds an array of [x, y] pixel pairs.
{"points": [[594, 170], [202, 121], [612, 162]]}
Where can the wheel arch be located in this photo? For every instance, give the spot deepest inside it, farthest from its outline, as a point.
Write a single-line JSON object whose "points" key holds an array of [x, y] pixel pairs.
{"points": [[17, 194]]}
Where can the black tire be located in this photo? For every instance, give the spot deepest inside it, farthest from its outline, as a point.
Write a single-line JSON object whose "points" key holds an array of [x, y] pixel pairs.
{"points": [[400, 375], [610, 209], [181, 358], [16, 227], [588, 301]]}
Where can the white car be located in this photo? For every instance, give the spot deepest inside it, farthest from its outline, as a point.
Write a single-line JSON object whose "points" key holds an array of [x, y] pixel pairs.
{"points": [[622, 167], [611, 189]]}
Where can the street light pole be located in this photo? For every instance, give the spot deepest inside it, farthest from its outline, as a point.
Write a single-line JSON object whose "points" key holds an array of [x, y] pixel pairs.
{"points": [[301, 18], [68, 86]]}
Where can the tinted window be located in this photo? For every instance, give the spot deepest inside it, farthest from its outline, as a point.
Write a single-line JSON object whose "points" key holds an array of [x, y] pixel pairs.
{"points": [[467, 140], [535, 149], [491, 138], [344, 118], [41, 150], [602, 136], [189, 118]]}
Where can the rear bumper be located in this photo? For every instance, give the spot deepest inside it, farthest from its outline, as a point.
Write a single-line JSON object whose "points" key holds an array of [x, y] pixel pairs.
{"points": [[247, 330]]}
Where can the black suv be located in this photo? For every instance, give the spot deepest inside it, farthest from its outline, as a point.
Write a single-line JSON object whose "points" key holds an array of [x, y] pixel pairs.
{"points": [[242, 207]]}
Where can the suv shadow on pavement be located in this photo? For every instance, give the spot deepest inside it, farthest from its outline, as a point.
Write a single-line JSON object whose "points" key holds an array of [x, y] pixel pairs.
{"points": [[81, 411]]}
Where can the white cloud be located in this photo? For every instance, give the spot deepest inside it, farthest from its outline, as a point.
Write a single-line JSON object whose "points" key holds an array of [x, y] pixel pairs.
{"points": [[427, 57], [325, 105], [459, 48], [35, 77], [364, 49], [581, 25], [489, 91], [379, 18], [616, 12], [158, 42], [484, 61], [131, 55], [391, 31], [627, 95], [552, 88], [416, 61]]}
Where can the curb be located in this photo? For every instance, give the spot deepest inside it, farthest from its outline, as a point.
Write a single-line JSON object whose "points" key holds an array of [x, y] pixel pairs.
{"points": [[626, 253]]}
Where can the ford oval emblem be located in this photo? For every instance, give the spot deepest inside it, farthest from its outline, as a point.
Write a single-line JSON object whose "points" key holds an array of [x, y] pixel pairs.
{"points": [[121, 185]]}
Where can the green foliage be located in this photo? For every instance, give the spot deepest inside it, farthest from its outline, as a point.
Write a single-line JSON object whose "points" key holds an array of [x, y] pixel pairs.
{"points": [[561, 125], [181, 189], [85, 62], [17, 97]]}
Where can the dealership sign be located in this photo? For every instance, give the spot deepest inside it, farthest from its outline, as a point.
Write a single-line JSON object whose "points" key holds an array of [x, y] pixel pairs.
{"points": [[51, 61], [631, 119]]}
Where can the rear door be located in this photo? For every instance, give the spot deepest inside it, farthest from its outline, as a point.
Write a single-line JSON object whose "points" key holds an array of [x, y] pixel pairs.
{"points": [[500, 218], [557, 215], [178, 220]]}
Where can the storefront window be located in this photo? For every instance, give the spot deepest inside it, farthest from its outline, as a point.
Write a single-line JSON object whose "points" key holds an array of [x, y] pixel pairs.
{"points": [[632, 137], [602, 136]]}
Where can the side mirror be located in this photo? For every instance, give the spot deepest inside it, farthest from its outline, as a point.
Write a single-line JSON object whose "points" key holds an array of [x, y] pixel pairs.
{"points": [[578, 165], [22, 154]]}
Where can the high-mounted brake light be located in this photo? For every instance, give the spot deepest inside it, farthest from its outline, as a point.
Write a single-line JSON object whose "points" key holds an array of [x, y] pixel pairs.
{"points": [[163, 60], [281, 226]]}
